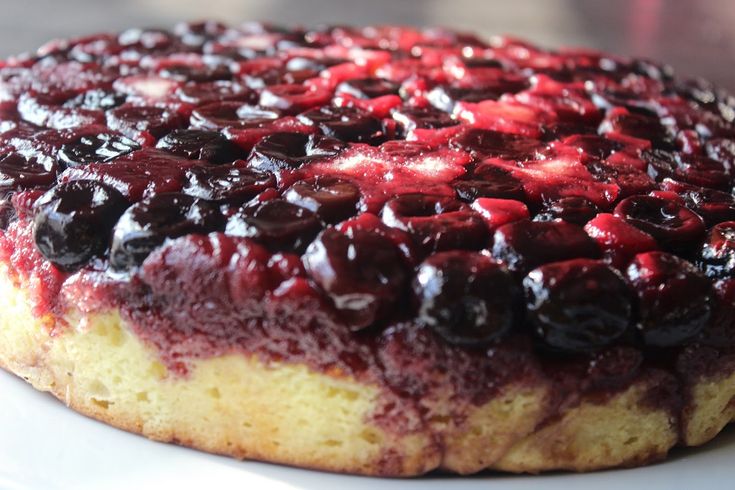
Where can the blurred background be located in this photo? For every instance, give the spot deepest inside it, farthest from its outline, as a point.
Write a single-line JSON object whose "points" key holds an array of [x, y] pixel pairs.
{"points": [[697, 37]]}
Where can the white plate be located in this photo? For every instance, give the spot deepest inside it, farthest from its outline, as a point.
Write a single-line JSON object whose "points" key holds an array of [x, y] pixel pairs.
{"points": [[45, 446]]}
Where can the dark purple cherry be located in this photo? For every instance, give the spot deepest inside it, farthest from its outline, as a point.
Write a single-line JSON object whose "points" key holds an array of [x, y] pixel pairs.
{"points": [[445, 97], [289, 151], [209, 92], [636, 125], [717, 256], [293, 98], [147, 224], [594, 146], [436, 223], [672, 225], [132, 120], [331, 198], [578, 305], [525, 245], [231, 114], [574, 209], [486, 180], [73, 222], [484, 143], [277, 224], [346, 124], [674, 298], [91, 148], [368, 88], [7, 213], [193, 144], [465, 297], [362, 272], [692, 169], [19, 171], [713, 206], [96, 100], [410, 118], [227, 184]]}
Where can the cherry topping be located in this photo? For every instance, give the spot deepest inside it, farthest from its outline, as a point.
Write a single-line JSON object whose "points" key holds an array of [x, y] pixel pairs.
{"points": [[465, 297], [289, 151], [101, 147], [147, 224], [578, 305], [671, 224], [437, 223], [73, 222], [717, 257], [331, 198], [362, 272], [194, 144], [346, 124], [278, 224], [224, 183], [525, 245], [367, 88], [673, 298]]}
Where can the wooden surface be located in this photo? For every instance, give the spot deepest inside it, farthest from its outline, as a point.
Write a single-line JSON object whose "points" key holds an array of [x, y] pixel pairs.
{"points": [[697, 37]]}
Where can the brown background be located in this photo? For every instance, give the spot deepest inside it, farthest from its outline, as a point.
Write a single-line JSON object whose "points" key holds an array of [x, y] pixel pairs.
{"points": [[697, 37]]}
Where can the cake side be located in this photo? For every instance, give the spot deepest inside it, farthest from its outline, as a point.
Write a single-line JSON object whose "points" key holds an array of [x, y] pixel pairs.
{"points": [[243, 407]]}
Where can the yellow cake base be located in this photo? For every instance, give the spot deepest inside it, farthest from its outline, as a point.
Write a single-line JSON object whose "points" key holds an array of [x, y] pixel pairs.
{"points": [[285, 413]]}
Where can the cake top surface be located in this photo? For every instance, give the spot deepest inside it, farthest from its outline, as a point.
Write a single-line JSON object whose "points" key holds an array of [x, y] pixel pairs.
{"points": [[472, 186]]}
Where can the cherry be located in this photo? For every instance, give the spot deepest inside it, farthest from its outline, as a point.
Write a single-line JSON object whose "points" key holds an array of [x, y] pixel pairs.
{"points": [[200, 94], [410, 118], [226, 183], [618, 240], [363, 273], [289, 151], [636, 125], [717, 256], [672, 225], [133, 120], [96, 99], [231, 114], [576, 210], [194, 144], [277, 224], [346, 124], [525, 245], [90, 148], [445, 97], [331, 198], [367, 88], [484, 143], [578, 305], [465, 297], [19, 171], [487, 180], [674, 298], [147, 224], [713, 206], [692, 169], [73, 222], [292, 99], [436, 223]]}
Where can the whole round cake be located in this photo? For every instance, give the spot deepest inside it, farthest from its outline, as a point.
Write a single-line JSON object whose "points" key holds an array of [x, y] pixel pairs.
{"points": [[379, 250]]}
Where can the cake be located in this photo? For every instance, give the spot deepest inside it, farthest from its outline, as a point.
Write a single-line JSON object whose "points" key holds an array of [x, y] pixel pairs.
{"points": [[380, 250]]}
